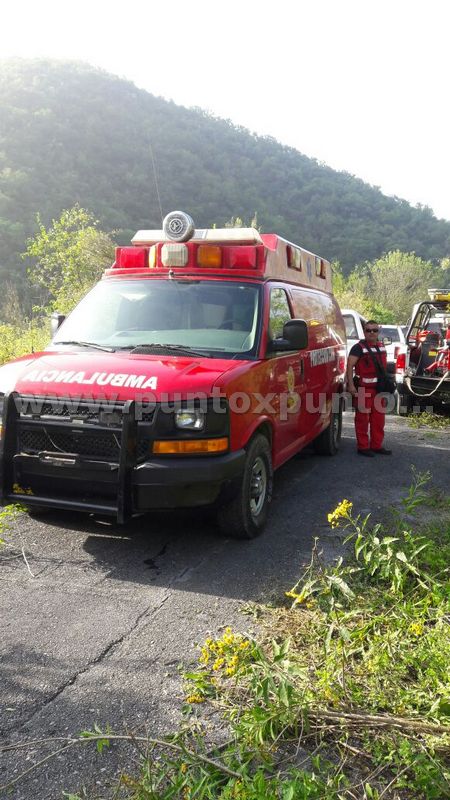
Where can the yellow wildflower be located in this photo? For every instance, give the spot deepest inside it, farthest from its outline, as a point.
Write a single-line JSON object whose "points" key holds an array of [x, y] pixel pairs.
{"points": [[195, 698], [298, 597], [342, 511], [219, 662], [416, 628], [232, 665]]}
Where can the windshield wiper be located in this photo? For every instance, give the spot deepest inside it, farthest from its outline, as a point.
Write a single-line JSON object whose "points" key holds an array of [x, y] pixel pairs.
{"points": [[163, 349], [89, 344]]}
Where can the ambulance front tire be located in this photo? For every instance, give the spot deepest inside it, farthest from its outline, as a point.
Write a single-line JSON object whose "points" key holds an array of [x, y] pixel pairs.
{"points": [[327, 443], [245, 516]]}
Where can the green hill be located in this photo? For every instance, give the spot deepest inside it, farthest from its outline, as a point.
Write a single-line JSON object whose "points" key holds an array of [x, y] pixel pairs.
{"points": [[70, 134]]}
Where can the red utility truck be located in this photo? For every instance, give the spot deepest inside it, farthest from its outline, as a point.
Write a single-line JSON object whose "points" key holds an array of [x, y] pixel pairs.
{"points": [[423, 365], [199, 364]]}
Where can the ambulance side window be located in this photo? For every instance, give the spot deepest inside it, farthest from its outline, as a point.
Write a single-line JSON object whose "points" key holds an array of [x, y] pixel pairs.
{"points": [[279, 312]]}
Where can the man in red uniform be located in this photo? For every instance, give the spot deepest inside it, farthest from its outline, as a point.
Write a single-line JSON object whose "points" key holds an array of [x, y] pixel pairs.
{"points": [[369, 407]]}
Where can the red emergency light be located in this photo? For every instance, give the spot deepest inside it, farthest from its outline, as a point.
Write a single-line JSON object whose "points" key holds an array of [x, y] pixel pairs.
{"points": [[131, 257], [240, 257]]}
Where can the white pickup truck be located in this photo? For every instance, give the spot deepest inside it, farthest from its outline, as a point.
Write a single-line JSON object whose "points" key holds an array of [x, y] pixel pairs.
{"points": [[354, 326]]}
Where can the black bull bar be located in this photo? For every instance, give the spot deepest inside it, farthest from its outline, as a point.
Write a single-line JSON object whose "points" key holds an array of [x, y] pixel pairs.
{"points": [[50, 472]]}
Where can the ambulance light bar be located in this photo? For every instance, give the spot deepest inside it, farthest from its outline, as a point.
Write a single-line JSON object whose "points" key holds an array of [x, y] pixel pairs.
{"points": [[190, 255], [179, 245], [219, 235]]}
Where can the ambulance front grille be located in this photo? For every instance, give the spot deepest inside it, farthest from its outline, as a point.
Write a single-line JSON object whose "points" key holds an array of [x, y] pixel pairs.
{"points": [[65, 409], [101, 445], [78, 427]]}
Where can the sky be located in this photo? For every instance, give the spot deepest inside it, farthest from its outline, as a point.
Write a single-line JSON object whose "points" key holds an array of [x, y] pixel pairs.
{"points": [[360, 85]]}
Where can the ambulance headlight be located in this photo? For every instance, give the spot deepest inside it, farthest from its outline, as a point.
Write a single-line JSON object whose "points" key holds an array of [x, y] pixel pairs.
{"points": [[190, 419]]}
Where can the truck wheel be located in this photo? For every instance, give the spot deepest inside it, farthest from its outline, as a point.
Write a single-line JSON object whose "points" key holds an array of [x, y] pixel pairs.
{"points": [[245, 516], [327, 443], [403, 403]]}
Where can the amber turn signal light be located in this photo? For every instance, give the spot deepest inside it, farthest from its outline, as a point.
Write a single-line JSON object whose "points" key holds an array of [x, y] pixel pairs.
{"points": [[190, 446], [209, 256]]}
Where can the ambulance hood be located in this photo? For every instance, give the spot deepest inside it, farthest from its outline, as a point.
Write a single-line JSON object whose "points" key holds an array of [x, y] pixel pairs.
{"points": [[122, 376]]}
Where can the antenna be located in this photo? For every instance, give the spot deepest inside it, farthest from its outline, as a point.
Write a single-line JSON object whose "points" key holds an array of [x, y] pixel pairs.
{"points": [[156, 178]]}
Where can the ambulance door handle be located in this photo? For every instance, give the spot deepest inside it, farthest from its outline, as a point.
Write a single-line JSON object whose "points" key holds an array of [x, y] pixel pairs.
{"points": [[302, 369]]}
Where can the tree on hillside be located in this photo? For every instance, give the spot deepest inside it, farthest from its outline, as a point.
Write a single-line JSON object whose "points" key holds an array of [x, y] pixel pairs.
{"points": [[237, 222], [444, 274], [387, 288], [68, 257], [354, 291], [10, 307], [398, 280]]}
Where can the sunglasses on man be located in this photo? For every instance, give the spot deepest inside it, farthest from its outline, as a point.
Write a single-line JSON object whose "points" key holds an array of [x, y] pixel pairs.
{"points": [[372, 330]]}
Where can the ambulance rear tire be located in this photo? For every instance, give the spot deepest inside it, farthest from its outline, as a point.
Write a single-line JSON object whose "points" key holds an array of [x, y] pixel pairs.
{"points": [[327, 443], [245, 516]]}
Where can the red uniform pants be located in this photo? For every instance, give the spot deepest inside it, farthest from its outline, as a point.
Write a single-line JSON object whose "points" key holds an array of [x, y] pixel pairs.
{"points": [[369, 413]]}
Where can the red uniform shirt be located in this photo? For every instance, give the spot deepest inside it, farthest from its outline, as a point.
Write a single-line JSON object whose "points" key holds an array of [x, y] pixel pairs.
{"points": [[365, 368]]}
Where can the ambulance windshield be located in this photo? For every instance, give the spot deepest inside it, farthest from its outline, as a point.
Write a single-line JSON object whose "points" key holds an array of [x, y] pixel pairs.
{"points": [[217, 318]]}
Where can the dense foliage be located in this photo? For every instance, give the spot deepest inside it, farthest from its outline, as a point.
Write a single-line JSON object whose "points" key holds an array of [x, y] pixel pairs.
{"points": [[67, 258], [73, 134], [387, 288]]}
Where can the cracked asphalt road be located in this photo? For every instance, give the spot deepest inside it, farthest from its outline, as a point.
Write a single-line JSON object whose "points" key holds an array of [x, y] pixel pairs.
{"points": [[97, 635]]}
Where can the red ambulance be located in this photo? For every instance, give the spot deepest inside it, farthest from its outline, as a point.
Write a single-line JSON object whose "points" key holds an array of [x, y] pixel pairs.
{"points": [[199, 364]]}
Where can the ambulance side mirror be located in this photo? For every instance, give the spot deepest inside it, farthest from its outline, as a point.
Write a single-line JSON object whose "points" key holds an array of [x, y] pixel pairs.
{"points": [[295, 337], [56, 320]]}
